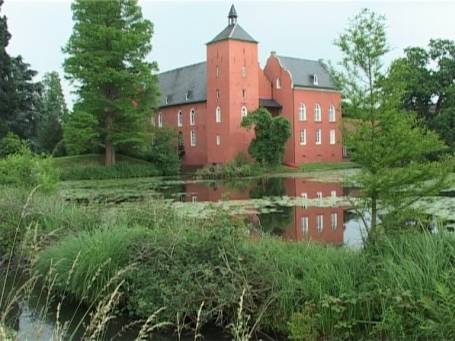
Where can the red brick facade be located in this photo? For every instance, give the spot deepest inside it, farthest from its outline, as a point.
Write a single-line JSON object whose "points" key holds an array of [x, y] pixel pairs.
{"points": [[233, 84]]}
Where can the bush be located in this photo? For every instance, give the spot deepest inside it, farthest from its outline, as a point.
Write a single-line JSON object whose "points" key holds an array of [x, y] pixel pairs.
{"points": [[26, 169], [240, 167], [12, 144], [118, 171]]}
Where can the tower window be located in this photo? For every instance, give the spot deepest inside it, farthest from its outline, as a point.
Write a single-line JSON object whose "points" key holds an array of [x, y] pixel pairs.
{"points": [[243, 112], [180, 119], [192, 117], [218, 115], [244, 71]]}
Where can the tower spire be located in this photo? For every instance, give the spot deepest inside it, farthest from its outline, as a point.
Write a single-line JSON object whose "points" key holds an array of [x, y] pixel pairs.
{"points": [[232, 17]]}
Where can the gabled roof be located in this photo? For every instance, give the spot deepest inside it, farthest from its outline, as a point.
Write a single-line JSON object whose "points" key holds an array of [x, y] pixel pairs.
{"points": [[302, 71], [233, 32], [178, 83]]}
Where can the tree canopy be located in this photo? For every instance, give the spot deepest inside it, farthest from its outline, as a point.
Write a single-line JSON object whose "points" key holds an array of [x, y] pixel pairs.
{"points": [[117, 87], [271, 135]]}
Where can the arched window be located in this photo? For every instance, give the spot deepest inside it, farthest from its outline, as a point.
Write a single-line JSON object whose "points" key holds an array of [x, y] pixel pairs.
{"points": [[193, 138], [317, 113], [160, 120], [192, 117], [302, 112], [243, 112], [332, 113], [218, 115], [278, 83], [180, 118]]}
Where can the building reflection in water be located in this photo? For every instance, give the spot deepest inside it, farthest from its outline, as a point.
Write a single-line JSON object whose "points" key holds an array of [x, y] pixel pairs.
{"points": [[299, 223]]}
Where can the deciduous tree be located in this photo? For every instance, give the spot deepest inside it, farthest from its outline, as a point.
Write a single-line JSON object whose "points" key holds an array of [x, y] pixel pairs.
{"points": [[106, 60], [271, 135], [389, 145]]}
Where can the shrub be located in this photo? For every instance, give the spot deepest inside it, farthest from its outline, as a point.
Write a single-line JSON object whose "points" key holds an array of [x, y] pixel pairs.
{"points": [[26, 169], [240, 167], [12, 144]]}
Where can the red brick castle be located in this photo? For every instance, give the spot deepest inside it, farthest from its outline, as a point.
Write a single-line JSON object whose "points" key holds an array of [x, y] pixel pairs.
{"points": [[207, 101]]}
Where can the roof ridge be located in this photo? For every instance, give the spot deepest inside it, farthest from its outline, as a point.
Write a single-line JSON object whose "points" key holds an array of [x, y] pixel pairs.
{"points": [[305, 59], [182, 67]]}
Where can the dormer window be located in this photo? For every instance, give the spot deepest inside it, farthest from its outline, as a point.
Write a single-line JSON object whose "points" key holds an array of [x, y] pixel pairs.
{"points": [[315, 79], [188, 95], [166, 99]]}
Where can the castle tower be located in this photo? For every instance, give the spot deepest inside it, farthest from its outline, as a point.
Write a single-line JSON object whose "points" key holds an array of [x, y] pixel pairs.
{"points": [[232, 90]]}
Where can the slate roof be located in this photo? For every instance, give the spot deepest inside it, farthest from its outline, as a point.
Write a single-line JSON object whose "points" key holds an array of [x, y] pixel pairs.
{"points": [[233, 32], [302, 71], [175, 84]]}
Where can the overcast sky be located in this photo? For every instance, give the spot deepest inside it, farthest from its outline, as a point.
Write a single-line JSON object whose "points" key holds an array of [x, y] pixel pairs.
{"points": [[303, 29]]}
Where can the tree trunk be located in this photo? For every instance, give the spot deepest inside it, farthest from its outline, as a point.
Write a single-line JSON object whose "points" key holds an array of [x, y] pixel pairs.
{"points": [[109, 159], [374, 213]]}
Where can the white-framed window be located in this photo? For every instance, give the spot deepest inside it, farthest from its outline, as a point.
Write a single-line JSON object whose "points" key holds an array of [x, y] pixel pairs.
{"points": [[160, 120], [304, 225], [278, 83], [243, 71], [218, 115], [193, 138], [320, 222], [302, 137], [194, 198], [305, 199], [243, 112], [302, 112], [333, 194], [192, 117], [317, 113], [218, 140], [318, 136], [315, 79], [332, 113], [334, 221], [332, 136], [217, 71], [319, 195], [180, 118]]}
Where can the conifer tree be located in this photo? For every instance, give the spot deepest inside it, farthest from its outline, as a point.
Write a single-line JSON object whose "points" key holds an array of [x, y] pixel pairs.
{"points": [[106, 60]]}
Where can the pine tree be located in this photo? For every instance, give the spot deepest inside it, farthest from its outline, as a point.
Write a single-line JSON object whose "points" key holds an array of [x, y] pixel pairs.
{"points": [[106, 60], [54, 114]]}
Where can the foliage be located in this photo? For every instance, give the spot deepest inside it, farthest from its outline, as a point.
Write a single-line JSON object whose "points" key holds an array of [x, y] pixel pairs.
{"points": [[80, 133], [12, 144], [309, 167], [390, 146], [26, 169], [161, 151], [54, 113], [240, 167], [117, 88], [423, 82], [92, 257], [271, 135], [120, 170]]}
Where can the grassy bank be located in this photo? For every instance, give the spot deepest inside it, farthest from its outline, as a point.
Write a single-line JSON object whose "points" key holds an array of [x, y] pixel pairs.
{"points": [[90, 167], [199, 271]]}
